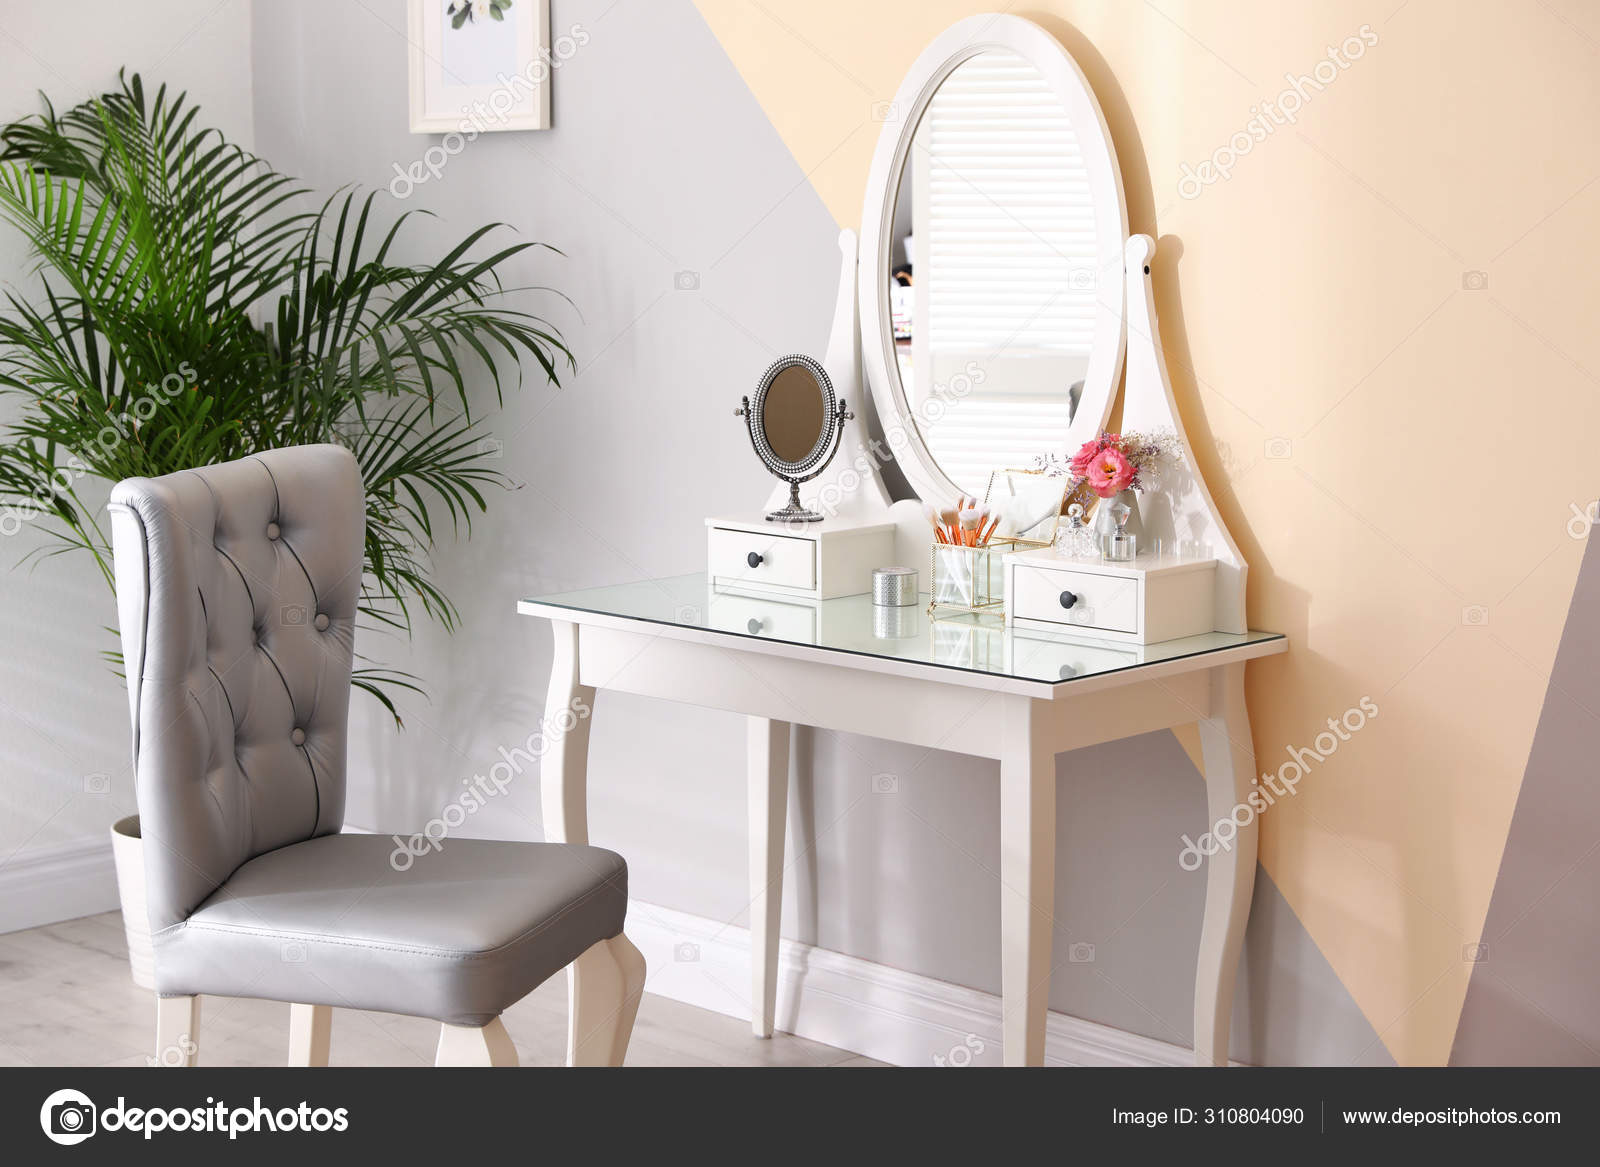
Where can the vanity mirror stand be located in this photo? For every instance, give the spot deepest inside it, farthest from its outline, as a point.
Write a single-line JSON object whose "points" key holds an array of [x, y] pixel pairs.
{"points": [[1025, 282]]}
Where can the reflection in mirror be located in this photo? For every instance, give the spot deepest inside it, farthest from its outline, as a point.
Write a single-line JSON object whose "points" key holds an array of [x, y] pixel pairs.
{"points": [[794, 416], [993, 270]]}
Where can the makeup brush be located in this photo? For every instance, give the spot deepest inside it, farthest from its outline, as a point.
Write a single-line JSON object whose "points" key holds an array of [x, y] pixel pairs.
{"points": [[971, 518], [987, 532], [933, 517], [949, 516]]}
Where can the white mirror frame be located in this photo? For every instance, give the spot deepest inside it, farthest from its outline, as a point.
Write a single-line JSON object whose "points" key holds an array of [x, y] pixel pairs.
{"points": [[958, 43]]}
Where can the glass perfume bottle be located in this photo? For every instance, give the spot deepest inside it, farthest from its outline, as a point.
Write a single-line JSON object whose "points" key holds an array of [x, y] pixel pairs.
{"points": [[1119, 546], [1077, 539]]}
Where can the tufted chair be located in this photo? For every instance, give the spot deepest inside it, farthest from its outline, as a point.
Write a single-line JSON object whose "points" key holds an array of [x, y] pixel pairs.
{"points": [[236, 591]]}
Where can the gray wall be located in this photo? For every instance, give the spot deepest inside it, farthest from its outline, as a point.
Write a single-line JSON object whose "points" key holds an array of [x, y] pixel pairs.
{"points": [[1533, 992], [64, 753], [661, 161]]}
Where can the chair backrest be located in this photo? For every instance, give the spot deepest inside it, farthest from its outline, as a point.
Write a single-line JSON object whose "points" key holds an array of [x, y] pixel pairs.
{"points": [[236, 592]]}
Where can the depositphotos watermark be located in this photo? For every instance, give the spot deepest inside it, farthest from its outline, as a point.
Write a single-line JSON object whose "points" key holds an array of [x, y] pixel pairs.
{"points": [[485, 113], [1271, 787], [68, 1117], [117, 428], [894, 443], [480, 788], [1274, 112]]}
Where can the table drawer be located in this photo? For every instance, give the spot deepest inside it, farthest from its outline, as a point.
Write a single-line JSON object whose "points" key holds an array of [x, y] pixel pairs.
{"points": [[795, 623], [1076, 598], [760, 559]]}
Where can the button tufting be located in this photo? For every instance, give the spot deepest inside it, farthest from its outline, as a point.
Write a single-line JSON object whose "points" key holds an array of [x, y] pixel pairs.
{"points": [[273, 531], [298, 737], [321, 622]]}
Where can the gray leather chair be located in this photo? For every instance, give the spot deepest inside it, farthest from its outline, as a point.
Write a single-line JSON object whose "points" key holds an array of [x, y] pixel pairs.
{"points": [[236, 591]]}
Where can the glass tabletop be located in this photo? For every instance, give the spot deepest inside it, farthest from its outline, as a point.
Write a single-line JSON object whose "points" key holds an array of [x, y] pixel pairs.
{"points": [[852, 624]]}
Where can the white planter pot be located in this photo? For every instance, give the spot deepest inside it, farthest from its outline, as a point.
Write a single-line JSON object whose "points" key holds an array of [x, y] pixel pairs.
{"points": [[127, 850]]}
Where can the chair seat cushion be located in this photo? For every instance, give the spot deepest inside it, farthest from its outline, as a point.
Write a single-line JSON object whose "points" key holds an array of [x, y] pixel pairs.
{"points": [[457, 934]]}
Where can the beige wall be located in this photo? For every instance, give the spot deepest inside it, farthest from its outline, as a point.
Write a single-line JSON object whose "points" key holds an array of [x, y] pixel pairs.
{"points": [[1414, 541]]}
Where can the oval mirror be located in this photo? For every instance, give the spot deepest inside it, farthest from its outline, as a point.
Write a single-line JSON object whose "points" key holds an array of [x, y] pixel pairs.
{"points": [[793, 415], [794, 421], [992, 280]]}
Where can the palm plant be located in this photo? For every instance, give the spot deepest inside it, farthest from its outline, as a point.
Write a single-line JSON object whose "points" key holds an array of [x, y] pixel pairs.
{"points": [[194, 310]]}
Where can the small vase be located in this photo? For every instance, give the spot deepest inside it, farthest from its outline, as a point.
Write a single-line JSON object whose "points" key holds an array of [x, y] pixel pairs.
{"points": [[1105, 525]]}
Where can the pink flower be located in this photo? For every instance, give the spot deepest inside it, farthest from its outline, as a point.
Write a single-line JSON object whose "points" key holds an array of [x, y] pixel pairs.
{"points": [[1085, 455], [1109, 472]]}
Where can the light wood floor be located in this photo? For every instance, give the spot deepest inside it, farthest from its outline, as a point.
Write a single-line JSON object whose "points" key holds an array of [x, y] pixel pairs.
{"points": [[66, 999]]}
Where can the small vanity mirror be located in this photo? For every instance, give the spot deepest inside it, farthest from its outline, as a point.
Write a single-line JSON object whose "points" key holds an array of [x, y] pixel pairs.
{"points": [[992, 282], [794, 422]]}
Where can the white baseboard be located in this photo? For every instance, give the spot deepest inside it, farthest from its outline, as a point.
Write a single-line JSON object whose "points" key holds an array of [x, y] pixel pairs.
{"points": [[856, 1005], [52, 884]]}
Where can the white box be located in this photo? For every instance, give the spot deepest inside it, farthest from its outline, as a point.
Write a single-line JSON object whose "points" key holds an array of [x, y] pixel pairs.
{"points": [[1143, 602]]}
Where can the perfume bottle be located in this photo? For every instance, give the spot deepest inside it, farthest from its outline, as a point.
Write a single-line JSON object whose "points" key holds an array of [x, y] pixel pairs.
{"points": [[1119, 546], [1077, 539]]}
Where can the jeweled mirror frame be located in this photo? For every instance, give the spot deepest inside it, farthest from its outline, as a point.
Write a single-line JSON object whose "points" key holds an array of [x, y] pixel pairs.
{"points": [[835, 413]]}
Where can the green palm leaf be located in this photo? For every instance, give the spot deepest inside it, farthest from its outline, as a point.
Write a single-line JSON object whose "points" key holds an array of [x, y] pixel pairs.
{"points": [[192, 310]]}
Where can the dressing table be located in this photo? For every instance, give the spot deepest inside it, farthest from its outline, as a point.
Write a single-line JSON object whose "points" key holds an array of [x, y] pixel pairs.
{"points": [[1031, 306]]}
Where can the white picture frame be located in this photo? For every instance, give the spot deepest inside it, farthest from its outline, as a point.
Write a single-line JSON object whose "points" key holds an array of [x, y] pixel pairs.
{"points": [[483, 76]]}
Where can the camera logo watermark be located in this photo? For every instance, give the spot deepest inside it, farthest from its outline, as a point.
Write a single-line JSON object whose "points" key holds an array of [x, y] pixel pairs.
{"points": [[1274, 112], [1271, 787], [68, 1117], [1583, 520], [963, 1055]]}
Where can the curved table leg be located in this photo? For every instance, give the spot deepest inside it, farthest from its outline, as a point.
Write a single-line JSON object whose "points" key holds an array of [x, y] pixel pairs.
{"points": [[564, 773], [1230, 763]]}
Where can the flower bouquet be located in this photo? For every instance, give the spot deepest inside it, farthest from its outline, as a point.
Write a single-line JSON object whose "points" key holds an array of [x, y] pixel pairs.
{"points": [[1113, 463], [1105, 467]]}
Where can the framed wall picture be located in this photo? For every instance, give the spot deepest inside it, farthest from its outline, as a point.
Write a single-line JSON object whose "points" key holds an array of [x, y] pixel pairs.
{"points": [[479, 65]]}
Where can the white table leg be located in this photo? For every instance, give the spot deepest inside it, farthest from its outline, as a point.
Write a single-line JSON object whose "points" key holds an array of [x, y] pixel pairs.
{"points": [[564, 774], [1230, 762], [768, 781], [1027, 881]]}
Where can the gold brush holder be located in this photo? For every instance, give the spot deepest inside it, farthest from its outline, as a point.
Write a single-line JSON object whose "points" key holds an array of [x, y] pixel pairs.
{"points": [[971, 580]]}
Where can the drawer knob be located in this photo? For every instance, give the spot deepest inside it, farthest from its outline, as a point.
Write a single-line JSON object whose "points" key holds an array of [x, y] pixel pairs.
{"points": [[1068, 599], [754, 626], [753, 559]]}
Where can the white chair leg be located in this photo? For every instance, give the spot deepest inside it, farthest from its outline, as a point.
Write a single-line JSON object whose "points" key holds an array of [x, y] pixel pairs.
{"points": [[177, 1031], [607, 982], [461, 1045], [310, 1034]]}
